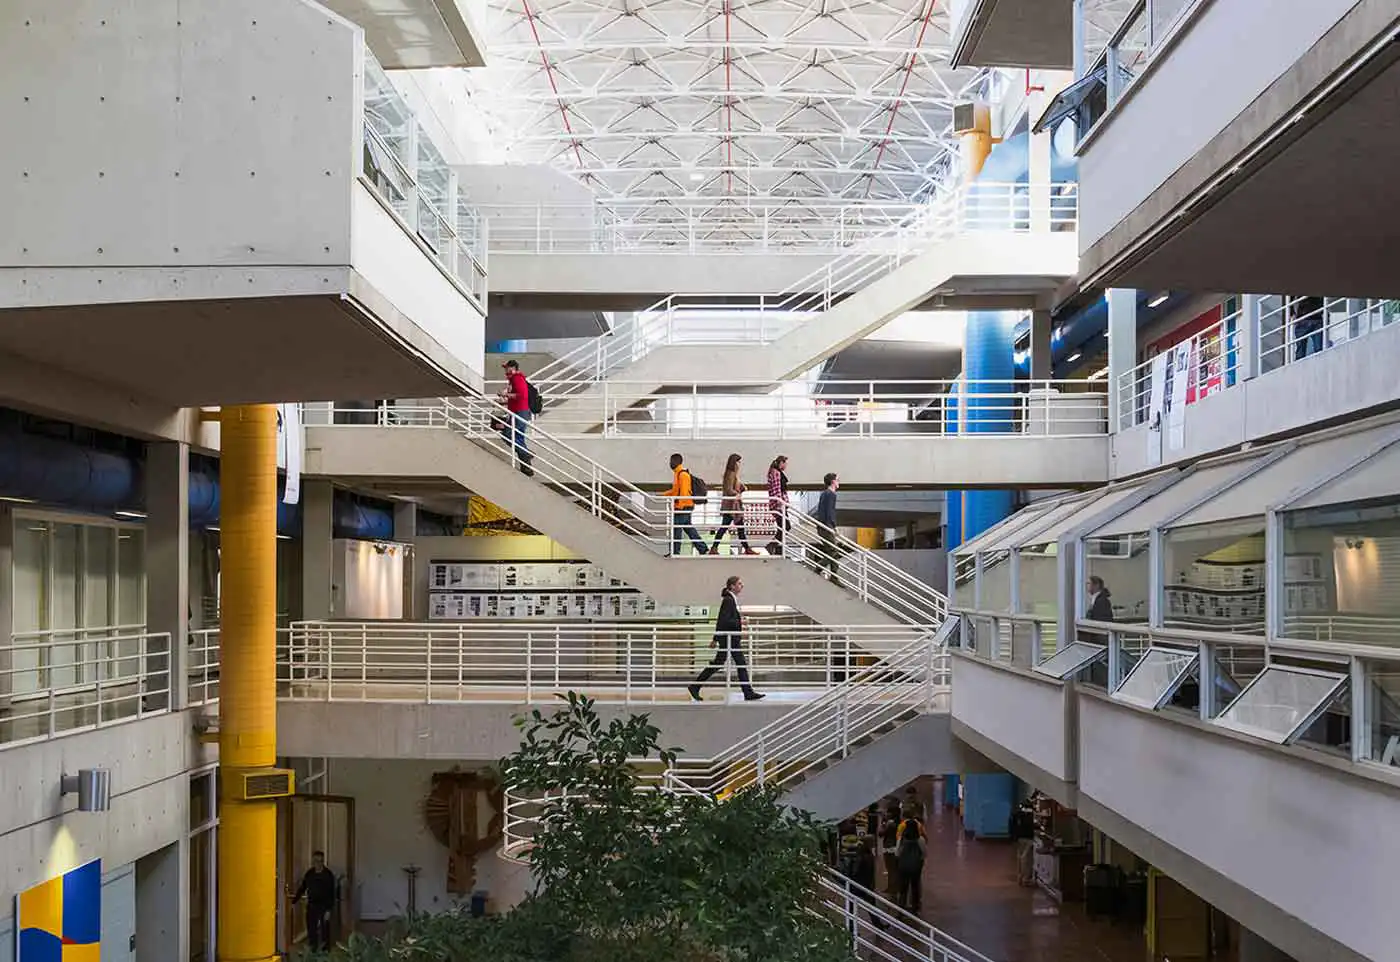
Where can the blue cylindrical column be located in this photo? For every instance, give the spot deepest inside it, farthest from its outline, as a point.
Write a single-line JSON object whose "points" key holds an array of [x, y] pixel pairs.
{"points": [[989, 368]]}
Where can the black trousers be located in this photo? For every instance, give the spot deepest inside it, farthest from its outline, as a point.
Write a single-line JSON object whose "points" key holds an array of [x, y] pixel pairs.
{"points": [[735, 518], [727, 647], [911, 889], [318, 927]]}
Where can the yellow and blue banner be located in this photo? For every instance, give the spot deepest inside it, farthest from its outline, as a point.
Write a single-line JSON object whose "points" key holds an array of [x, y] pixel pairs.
{"points": [[61, 920]]}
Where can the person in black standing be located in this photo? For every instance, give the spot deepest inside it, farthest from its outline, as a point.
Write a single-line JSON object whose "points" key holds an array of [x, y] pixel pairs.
{"points": [[318, 887], [729, 625], [1100, 605], [826, 516]]}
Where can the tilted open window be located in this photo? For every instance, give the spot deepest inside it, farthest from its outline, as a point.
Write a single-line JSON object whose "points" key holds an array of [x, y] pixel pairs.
{"points": [[1071, 659], [1281, 702], [1156, 677]]}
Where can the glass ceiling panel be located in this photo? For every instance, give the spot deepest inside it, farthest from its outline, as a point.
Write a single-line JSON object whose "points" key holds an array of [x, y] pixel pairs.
{"points": [[1156, 677], [1097, 503], [1070, 659], [1273, 483], [1169, 501], [1281, 702], [1021, 518], [1376, 477], [1027, 533]]}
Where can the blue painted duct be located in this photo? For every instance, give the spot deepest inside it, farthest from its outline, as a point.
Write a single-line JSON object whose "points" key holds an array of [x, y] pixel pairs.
{"points": [[32, 466], [64, 474], [1078, 329]]}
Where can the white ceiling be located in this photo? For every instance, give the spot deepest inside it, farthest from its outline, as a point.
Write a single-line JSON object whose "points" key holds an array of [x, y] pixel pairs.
{"points": [[801, 100]]}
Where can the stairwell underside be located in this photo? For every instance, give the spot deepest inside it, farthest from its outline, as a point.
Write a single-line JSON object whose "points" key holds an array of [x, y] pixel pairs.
{"points": [[926, 461], [963, 265], [411, 456]]}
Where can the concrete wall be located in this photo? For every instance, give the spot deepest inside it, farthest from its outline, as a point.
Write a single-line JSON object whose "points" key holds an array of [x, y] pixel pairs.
{"points": [[178, 160], [42, 834], [1192, 92], [1019, 720], [1344, 380], [1299, 839], [935, 461], [455, 732], [390, 833], [653, 275]]}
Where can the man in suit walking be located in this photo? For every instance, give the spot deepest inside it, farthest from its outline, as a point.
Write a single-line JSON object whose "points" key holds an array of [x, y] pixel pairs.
{"points": [[729, 625]]}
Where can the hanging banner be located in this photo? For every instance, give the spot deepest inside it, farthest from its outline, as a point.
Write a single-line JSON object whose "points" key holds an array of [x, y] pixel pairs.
{"points": [[1156, 406], [1176, 404], [291, 445]]}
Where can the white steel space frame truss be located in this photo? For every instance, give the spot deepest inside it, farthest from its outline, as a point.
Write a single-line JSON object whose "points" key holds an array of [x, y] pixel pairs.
{"points": [[751, 100]]}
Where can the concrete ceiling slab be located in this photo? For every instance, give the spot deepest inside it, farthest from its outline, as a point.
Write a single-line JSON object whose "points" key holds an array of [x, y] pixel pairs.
{"points": [[1320, 217], [1015, 33], [412, 34], [254, 350]]}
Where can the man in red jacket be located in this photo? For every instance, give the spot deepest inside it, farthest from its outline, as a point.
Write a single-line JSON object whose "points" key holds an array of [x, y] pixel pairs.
{"points": [[517, 401]]}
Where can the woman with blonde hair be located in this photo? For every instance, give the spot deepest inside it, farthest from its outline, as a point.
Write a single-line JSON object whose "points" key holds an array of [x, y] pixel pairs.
{"points": [[731, 507]]}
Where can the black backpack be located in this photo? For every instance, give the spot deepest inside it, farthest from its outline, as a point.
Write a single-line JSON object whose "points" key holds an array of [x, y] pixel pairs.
{"points": [[699, 490], [536, 402]]}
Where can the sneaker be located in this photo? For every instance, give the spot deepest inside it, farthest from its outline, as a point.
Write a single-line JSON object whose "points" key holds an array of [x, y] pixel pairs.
{"points": [[754, 696], [714, 549], [694, 692]]}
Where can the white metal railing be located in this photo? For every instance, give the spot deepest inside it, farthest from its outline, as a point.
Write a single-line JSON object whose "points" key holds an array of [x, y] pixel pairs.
{"points": [[615, 663], [202, 667], [882, 930], [651, 520], [1023, 640], [1293, 328], [1214, 364], [682, 319], [403, 167], [688, 226], [914, 680], [66, 680], [1288, 329], [838, 409]]}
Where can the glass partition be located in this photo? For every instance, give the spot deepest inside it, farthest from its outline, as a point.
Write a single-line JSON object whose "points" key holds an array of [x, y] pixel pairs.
{"points": [[1383, 710], [1341, 574], [1040, 587], [1157, 676], [964, 581], [1282, 702], [1214, 577], [1123, 563], [994, 583]]}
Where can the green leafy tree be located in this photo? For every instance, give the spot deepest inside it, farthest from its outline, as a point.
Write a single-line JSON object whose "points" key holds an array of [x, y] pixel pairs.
{"points": [[627, 873]]}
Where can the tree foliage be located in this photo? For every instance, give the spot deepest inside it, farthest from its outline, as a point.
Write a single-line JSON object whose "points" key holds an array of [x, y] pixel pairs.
{"points": [[626, 873]]}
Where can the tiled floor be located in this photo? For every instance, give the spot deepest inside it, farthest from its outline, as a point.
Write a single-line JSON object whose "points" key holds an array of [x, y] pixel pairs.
{"points": [[971, 893]]}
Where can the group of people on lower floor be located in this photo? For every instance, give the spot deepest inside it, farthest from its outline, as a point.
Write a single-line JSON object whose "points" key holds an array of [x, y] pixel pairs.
{"points": [[894, 829]]}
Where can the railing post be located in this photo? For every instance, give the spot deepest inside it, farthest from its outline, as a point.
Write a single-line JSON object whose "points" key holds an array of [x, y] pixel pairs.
{"points": [[529, 667], [1036, 629]]}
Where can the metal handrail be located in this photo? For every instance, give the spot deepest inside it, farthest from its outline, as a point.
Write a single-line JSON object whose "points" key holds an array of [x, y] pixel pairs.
{"points": [[976, 208], [78, 679], [913, 680], [616, 663], [837, 409], [873, 922], [650, 519]]}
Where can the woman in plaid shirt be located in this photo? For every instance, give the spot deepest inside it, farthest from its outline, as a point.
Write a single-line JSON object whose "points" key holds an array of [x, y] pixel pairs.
{"points": [[778, 496]]}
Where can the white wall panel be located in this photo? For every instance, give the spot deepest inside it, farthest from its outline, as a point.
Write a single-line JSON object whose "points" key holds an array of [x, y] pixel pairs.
{"points": [[1024, 715]]}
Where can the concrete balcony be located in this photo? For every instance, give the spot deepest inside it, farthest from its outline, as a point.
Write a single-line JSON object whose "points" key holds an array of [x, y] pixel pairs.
{"points": [[1271, 175], [1012, 33], [221, 226], [417, 33]]}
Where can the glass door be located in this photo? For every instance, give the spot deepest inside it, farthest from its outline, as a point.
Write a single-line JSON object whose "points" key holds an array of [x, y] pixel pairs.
{"points": [[324, 824]]}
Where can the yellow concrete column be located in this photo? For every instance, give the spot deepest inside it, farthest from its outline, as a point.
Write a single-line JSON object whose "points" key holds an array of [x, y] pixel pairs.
{"points": [[871, 538], [977, 142], [248, 693]]}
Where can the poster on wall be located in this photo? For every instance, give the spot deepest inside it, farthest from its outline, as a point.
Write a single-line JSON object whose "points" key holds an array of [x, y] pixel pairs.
{"points": [[1156, 405], [61, 920]]}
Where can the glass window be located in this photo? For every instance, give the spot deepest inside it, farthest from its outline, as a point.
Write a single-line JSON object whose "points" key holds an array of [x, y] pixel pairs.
{"points": [[131, 576], [30, 615], [1071, 659], [1157, 675], [1341, 577], [1383, 707], [1123, 563], [99, 585], [994, 584], [1215, 577], [1172, 500], [63, 657], [964, 576], [1281, 702]]}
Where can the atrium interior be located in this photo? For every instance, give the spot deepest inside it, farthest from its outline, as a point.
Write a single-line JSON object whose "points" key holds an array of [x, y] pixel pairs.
{"points": [[973, 419]]}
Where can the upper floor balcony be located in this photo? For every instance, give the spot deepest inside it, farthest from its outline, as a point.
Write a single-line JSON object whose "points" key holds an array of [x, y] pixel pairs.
{"points": [[1235, 146], [250, 214]]}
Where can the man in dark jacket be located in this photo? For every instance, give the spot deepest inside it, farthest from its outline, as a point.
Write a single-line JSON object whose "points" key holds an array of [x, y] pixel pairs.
{"points": [[826, 517], [729, 625], [318, 888], [1100, 606]]}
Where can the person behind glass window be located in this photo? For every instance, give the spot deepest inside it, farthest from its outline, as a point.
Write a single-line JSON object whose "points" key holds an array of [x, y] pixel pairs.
{"points": [[1098, 605]]}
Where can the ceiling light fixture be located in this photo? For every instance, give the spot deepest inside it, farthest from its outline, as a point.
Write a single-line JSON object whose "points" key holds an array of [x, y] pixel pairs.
{"points": [[1159, 300], [1072, 358], [138, 515]]}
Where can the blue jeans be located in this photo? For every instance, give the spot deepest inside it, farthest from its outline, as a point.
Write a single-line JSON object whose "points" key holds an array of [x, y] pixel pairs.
{"points": [[684, 526], [520, 421]]}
